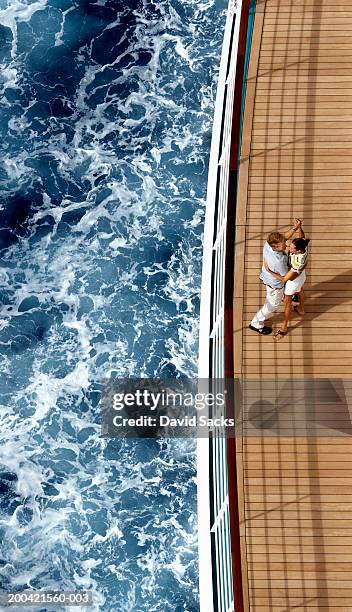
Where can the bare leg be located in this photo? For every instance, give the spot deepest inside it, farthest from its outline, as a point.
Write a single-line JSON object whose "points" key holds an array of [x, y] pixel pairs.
{"points": [[281, 333], [300, 308], [288, 310]]}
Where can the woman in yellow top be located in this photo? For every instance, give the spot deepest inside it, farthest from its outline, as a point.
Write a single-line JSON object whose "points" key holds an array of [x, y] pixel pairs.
{"points": [[294, 279]]}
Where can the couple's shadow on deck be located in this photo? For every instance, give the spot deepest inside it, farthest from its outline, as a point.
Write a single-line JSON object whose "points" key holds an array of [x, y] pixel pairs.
{"points": [[296, 407], [306, 406]]}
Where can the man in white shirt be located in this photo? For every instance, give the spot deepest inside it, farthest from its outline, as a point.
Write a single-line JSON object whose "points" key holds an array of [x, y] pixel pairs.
{"points": [[274, 253]]}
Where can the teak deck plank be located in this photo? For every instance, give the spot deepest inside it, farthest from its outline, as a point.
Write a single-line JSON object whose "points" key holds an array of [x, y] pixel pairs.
{"points": [[295, 441]]}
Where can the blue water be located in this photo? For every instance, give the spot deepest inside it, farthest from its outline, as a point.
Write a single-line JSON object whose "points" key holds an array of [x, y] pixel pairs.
{"points": [[105, 119]]}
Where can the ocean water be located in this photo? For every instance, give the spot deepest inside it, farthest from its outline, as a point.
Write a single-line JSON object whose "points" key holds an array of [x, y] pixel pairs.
{"points": [[105, 119]]}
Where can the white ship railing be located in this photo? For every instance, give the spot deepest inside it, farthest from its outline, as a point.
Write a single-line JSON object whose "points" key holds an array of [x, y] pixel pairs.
{"points": [[215, 559]]}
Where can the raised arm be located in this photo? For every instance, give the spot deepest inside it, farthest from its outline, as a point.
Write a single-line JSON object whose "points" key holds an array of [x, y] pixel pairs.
{"points": [[299, 230], [296, 229]]}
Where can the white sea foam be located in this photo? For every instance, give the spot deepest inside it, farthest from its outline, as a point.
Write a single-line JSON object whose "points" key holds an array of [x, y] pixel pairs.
{"points": [[110, 248], [18, 12]]}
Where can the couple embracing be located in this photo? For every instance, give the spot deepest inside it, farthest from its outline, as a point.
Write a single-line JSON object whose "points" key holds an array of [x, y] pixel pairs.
{"points": [[284, 275]]}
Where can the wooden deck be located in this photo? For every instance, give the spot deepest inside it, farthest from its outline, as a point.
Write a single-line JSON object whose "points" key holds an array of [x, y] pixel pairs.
{"points": [[295, 452]]}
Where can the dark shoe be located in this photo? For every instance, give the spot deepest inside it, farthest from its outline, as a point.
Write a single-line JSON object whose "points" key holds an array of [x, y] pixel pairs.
{"points": [[264, 331]]}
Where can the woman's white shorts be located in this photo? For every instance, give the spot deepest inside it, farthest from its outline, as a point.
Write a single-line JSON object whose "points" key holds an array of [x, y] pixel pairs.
{"points": [[295, 286]]}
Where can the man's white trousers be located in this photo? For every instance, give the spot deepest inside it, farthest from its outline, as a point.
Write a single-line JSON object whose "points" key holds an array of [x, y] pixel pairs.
{"points": [[272, 303]]}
